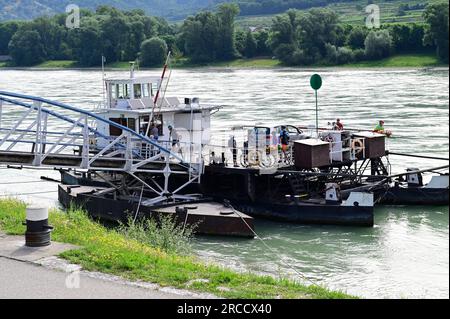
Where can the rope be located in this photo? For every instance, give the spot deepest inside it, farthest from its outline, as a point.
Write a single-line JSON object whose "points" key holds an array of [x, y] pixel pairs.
{"points": [[185, 220], [139, 205], [228, 204]]}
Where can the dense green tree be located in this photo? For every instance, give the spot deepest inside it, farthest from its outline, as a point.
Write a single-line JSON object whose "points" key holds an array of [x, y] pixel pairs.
{"points": [[262, 47], [378, 44], [338, 55], [7, 30], [153, 52], [407, 37], [88, 43], [300, 38], [135, 38], [226, 15], [26, 48], [356, 37], [437, 31], [240, 39], [211, 36], [114, 34], [250, 45]]}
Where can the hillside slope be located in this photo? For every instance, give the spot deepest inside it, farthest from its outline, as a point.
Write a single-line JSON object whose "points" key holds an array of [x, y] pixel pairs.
{"points": [[351, 11], [174, 9]]}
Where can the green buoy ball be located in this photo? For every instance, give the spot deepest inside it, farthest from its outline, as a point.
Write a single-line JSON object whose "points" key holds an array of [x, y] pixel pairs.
{"points": [[316, 82]]}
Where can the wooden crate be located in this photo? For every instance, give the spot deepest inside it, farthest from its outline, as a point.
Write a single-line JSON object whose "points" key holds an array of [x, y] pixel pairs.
{"points": [[375, 144], [311, 153]]}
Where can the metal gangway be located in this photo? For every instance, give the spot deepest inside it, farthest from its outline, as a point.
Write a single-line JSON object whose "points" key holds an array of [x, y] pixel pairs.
{"points": [[37, 132]]}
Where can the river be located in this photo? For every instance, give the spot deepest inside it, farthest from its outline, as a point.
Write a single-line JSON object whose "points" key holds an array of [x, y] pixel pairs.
{"points": [[406, 254]]}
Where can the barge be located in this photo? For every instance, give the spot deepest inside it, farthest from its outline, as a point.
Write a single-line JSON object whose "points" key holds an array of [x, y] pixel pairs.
{"points": [[144, 154]]}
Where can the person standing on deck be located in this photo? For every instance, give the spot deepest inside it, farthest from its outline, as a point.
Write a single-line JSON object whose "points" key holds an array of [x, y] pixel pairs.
{"points": [[174, 138], [284, 140], [339, 126], [233, 146], [381, 130], [154, 132], [380, 127]]}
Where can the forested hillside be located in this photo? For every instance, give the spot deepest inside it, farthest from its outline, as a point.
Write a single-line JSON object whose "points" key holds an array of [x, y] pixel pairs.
{"points": [[311, 37], [180, 9], [173, 9]]}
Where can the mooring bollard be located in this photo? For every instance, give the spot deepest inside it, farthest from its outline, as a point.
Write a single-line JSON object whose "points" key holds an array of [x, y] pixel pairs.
{"points": [[38, 230]]}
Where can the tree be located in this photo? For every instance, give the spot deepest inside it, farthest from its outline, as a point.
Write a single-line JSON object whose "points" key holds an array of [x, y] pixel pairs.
{"points": [[437, 30], [339, 55], [87, 42], [250, 45], [208, 37], [356, 38], [300, 38], [240, 41], [227, 14], [135, 39], [114, 33], [153, 52], [7, 30], [26, 48], [262, 46], [378, 44]]}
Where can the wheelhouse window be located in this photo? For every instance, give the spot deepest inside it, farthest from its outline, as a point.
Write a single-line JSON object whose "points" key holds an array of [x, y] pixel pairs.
{"points": [[146, 90], [144, 122], [137, 91], [127, 122], [121, 91]]}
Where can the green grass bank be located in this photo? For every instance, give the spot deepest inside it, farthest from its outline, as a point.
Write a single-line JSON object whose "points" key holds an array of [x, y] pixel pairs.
{"points": [[108, 251], [417, 60]]}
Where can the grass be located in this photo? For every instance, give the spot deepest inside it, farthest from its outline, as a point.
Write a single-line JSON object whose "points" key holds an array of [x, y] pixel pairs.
{"points": [[403, 60], [58, 64], [413, 60], [109, 251], [259, 62]]}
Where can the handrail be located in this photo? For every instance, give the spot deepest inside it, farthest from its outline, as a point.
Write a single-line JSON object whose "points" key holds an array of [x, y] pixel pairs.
{"points": [[87, 113]]}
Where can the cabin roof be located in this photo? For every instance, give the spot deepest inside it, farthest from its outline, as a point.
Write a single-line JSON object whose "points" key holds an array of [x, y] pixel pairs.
{"points": [[173, 109], [140, 79]]}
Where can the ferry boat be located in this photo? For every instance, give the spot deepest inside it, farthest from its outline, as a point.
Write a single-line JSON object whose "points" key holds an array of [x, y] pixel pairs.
{"points": [[246, 168]]}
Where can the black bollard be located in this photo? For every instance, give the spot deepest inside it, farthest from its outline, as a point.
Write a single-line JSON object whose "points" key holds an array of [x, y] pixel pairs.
{"points": [[38, 230]]}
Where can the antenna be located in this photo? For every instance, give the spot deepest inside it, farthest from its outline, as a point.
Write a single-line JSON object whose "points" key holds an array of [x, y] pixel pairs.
{"points": [[132, 70], [103, 80]]}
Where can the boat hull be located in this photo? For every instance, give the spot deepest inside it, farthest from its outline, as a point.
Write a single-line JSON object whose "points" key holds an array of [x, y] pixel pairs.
{"points": [[414, 196], [311, 213], [207, 218]]}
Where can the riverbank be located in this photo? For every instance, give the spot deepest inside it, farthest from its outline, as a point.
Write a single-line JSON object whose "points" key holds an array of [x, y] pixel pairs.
{"points": [[418, 60], [108, 251]]}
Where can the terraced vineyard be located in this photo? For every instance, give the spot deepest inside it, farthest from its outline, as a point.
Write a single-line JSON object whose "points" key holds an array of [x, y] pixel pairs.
{"points": [[353, 12]]}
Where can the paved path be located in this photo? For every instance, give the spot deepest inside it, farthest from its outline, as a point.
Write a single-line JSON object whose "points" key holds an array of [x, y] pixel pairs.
{"points": [[28, 281]]}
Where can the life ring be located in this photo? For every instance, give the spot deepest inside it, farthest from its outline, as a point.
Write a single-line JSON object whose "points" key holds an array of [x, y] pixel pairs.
{"points": [[357, 146], [329, 139]]}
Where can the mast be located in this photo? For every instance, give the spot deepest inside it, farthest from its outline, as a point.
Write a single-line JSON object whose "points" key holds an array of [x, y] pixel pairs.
{"points": [[166, 65], [103, 81], [155, 101]]}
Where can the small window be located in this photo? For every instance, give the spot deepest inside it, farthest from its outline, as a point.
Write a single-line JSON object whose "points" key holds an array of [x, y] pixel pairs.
{"points": [[119, 91], [146, 90], [126, 91], [131, 124], [137, 91], [115, 131]]}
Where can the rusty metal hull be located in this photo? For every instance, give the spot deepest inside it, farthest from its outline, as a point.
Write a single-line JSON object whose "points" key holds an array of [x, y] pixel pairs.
{"points": [[209, 218]]}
